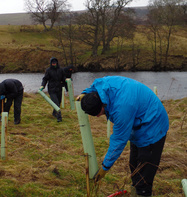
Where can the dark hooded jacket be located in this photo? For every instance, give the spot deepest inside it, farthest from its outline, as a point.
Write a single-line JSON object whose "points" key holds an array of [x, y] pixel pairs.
{"points": [[68, 71], [11, 88], [55, 77]]}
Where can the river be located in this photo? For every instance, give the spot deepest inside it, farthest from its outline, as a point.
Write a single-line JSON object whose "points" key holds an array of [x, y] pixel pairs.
{"points": [[170, 85]]}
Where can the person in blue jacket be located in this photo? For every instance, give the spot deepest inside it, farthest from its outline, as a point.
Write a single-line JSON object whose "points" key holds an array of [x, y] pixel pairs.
{"points": [[138, 116]]}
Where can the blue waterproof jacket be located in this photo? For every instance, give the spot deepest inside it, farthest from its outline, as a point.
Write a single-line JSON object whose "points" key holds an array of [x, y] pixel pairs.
{"points": [[137, 113]]}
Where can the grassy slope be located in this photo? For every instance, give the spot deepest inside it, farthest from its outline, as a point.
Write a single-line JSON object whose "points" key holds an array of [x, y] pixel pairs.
{"points": [[31, 51], [45, 158]]}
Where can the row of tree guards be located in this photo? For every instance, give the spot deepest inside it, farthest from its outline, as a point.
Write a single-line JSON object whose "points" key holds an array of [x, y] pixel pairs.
{"points": [[4, 116], [85, 129]]}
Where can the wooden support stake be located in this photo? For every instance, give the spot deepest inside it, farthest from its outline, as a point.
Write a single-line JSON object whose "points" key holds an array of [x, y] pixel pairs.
{"points": [[87, 175], [6, 134]]}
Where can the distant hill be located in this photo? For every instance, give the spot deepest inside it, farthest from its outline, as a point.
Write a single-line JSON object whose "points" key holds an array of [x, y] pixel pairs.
{"points": [[24, 18], [141, 13], [15, 19]]}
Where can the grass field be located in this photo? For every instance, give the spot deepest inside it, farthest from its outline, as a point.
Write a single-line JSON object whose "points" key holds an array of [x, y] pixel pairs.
{"points": [[46, 158]]}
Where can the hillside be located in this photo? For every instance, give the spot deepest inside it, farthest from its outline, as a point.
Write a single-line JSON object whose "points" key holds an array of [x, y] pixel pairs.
{"points": [[24, 18], [15, 19], [28, 48]]}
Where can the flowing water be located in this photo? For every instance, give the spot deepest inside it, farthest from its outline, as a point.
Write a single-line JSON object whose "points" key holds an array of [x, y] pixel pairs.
{"points": [[170, 85]]}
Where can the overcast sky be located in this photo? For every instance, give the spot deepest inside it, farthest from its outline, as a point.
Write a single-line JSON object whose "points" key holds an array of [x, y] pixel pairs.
{"points": [[17, 6]]}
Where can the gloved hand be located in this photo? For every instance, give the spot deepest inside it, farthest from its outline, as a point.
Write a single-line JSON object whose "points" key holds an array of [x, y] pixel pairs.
{"points": [[79, 98], [2, 97], [99, 174], [41, 88]]}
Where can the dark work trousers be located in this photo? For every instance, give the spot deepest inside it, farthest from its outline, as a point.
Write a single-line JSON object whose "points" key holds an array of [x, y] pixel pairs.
{"points": [[144, 162], [17, 106], [56, 98]]}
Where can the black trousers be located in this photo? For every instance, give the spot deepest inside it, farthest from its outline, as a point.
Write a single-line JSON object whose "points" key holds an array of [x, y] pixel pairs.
{"points": [[56, 98], [17, 106], [144, 163]]}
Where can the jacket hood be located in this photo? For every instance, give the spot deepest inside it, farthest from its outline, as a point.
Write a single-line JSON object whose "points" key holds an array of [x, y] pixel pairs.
{"points": [[69, 68], [53, 58]]}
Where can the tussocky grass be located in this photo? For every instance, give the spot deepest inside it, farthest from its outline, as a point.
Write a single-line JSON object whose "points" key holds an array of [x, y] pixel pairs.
{"points": [[46, 158]]}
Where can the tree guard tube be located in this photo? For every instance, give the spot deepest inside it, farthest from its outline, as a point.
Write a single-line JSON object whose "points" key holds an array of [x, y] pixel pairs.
{"points": [[4, 124], [63, 92], [87, 140], [49, 100], [155, 90], [108, 128], [71, 95], [184, 186]]}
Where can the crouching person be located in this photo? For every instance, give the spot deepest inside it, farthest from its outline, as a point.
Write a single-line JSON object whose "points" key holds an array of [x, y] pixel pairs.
{"points": [[12, 90], [139, 117]]}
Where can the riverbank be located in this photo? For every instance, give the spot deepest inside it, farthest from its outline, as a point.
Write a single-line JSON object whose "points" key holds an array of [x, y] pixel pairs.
{"points": [[45, 158], [36, 60], [29, 52]]}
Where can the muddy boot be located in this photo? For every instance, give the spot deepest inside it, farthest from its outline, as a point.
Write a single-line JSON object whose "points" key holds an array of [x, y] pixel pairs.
{"points": [[133, 191], [59, 117], [17, 121], [54, 113]]}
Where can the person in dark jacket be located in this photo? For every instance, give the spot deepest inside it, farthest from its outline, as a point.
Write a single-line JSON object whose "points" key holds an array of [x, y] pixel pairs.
{"points": [[139, 117], [55, 78], [68, 73], [12, 90]]}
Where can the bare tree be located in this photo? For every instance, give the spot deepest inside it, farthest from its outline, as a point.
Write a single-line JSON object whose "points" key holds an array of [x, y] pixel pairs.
{"points": [[153, 33], [184, 11], [126, 32], [90, 26], [43, 10], [38, 9], [112, 20], [101, 22], [163, 16], [55, 10], [66, 36]]}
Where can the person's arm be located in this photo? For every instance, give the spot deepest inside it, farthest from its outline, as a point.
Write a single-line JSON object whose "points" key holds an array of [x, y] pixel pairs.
{"points": [[45, 79], [64, 83], [122, 128], [118, 140]]}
